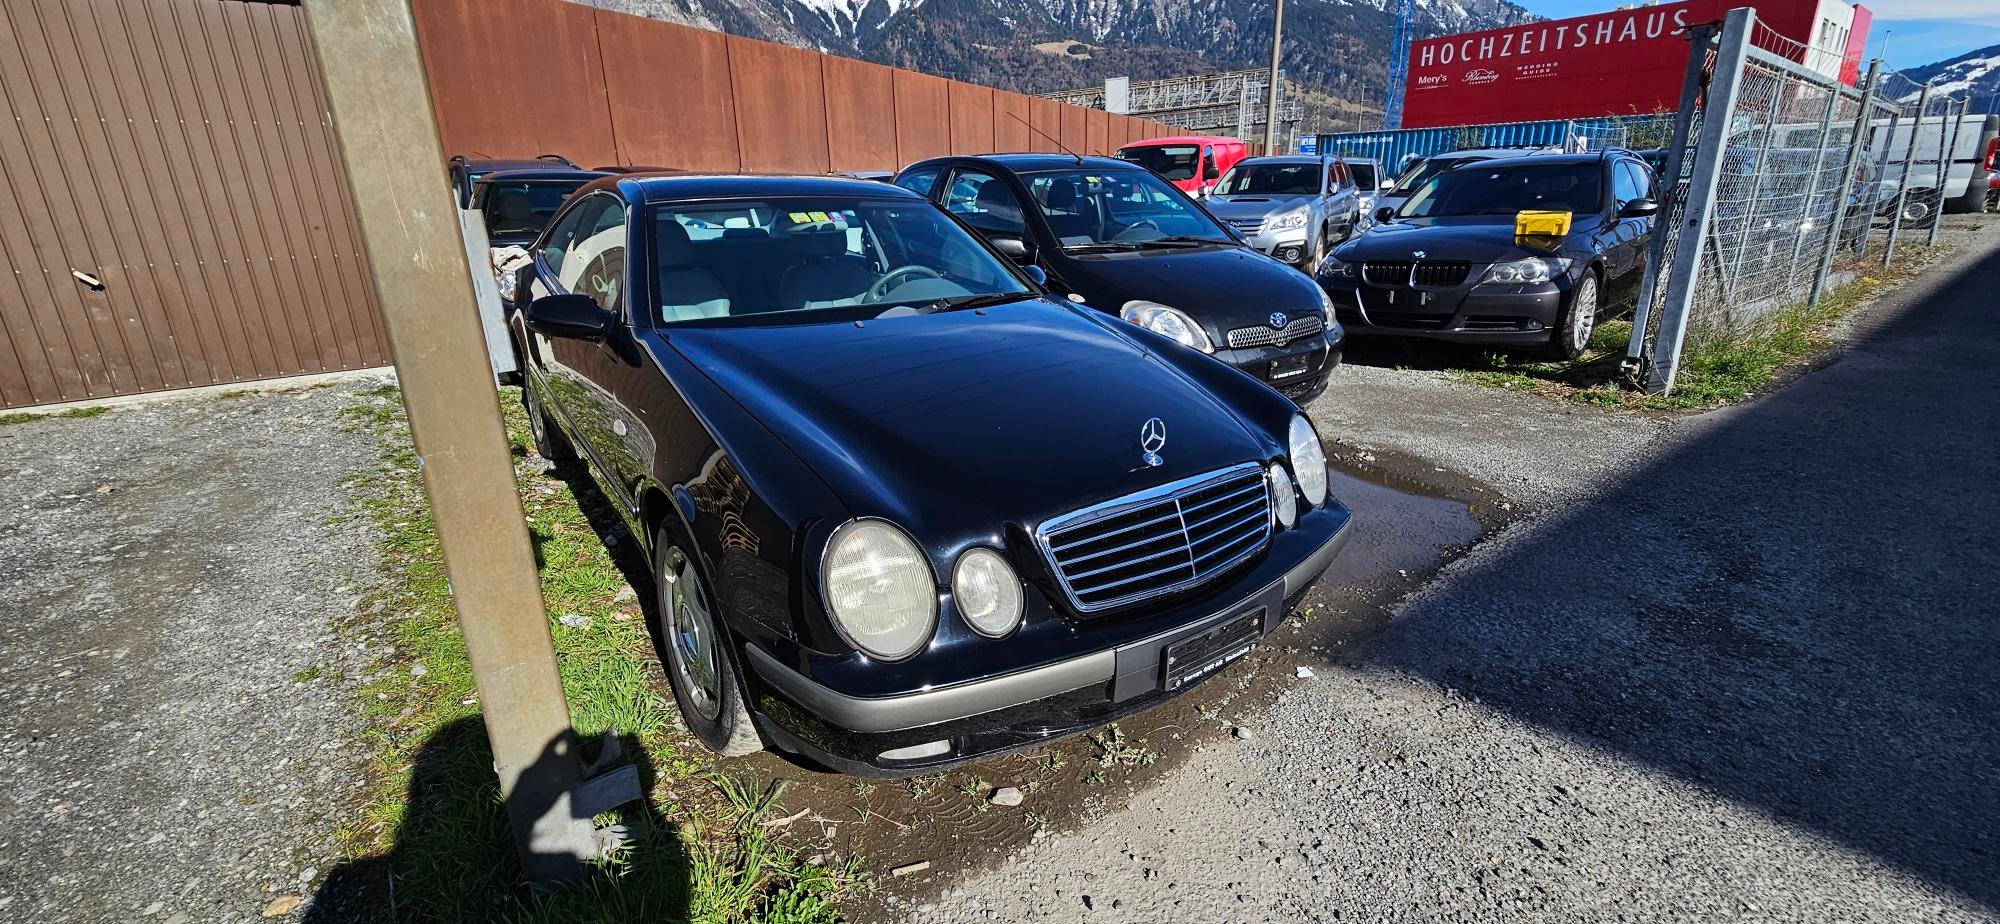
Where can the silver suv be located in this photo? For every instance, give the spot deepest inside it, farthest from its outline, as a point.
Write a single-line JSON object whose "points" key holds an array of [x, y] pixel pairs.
{"points": [[1294, 208]]}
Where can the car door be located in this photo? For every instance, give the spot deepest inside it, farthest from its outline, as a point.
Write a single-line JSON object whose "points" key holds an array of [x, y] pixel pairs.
{"points": [[1624, 237]]}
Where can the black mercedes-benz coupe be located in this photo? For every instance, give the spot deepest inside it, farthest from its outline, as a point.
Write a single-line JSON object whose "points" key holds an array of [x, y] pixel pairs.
{"points": [[1115, 236], [904, 509]]}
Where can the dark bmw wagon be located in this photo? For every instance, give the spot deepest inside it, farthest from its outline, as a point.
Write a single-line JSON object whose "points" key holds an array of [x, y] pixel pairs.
{"points": [[904, 510]]}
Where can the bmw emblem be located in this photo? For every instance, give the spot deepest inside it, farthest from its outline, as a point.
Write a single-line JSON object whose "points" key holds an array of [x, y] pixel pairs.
{"points": [[1152, 439], [1278, 319]]}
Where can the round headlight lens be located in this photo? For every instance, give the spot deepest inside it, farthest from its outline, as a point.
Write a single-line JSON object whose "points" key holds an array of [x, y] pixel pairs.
{"points": [[1308, 460], [1167, 322], [1284, 501], [879, 589], [987, 592]]}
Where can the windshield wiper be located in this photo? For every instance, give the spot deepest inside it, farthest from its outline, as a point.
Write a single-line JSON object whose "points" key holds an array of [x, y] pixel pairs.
{"points": [[958, 302], [1181, 240]]}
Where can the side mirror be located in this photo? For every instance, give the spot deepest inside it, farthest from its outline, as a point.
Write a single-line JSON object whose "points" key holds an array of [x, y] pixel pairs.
{"points": [[1036, 275], [1012, 247], [1210, 172], [1639, 208], [1383, 214], [573, 317], [1386, 184]]}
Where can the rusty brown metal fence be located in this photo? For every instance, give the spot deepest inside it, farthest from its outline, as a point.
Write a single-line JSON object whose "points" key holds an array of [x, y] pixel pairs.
{"points": [[519, 77], [171, 209]]}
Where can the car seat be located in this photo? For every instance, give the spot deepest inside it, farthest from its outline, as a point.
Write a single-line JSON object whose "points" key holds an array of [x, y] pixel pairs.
{"points": [[997, 210], [825, 276], [513, 213], [688, 292], [1060, 208]]}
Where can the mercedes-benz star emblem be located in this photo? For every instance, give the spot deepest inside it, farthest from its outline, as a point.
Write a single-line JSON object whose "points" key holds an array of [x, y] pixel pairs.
{"points": [[1152, 439], [1278, 320]]}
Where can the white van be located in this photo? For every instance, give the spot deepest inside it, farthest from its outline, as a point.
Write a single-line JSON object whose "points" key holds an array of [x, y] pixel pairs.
{"points": [[1971, 162]]}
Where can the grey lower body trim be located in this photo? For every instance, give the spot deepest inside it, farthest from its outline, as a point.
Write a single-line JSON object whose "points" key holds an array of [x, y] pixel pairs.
{"points": [[894, 713], [1308, 571]]}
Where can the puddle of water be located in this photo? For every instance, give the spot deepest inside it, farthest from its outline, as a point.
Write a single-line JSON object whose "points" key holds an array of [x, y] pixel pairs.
{"points": [[1397, 531]]}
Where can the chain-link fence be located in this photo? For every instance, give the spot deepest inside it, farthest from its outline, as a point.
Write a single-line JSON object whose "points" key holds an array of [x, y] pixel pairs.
{"points": [[1777, 178]]}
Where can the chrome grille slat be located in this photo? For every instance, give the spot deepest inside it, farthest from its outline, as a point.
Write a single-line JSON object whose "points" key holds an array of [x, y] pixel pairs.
{"points": [[1187, 531], [1265, 335]]}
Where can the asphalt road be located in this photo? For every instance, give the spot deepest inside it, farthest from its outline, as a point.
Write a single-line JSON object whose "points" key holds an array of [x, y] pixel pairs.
{"points": [[1753, 673]]}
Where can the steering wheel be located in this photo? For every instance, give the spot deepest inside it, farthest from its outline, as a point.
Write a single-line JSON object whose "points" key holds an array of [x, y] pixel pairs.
{"points": [[1143, 223], [882, 286]]}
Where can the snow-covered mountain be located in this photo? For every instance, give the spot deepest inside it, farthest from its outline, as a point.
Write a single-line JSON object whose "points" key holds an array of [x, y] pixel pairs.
{"points": [[1338, 49], [1976, 73]]}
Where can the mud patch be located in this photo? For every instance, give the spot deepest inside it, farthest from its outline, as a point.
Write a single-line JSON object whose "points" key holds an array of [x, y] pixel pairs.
{"points": [[1409, 520]]}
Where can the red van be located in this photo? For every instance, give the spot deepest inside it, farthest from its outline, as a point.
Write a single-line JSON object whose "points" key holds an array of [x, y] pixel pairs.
{"points": [[1191, 162]]}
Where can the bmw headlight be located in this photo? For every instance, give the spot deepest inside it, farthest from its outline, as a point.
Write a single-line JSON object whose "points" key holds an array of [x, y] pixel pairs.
{"points": [[1308, 460], [1525, 272], [1284, 499], [987, 592], [1167, 322], [1335, 268], [879, 589], [1295, 218]]}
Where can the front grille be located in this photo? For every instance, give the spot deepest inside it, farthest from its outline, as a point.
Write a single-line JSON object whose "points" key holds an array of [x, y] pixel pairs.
{"points": [[1387, 274], [1249, 226], [1441, 274], [1303, 326], [1159, 540]]}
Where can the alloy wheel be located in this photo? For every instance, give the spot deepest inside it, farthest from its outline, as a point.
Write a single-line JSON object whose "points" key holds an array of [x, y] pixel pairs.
{"points": [[691, 635], [1583, 313]]}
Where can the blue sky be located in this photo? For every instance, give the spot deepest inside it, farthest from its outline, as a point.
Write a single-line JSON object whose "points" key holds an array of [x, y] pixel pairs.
{"points": [[1922, 31]]}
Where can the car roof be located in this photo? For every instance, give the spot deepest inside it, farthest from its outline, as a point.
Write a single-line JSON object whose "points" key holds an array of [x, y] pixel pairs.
{"points": [[539, 173], [670, 187], [1027, 162], [1494, 153], [487, 164], [1288, 159], [1589, 158], [1181, 139]]}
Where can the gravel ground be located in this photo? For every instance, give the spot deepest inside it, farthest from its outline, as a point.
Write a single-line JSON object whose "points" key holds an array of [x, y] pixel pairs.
{"points": [[176, 744], [1749, 674]]}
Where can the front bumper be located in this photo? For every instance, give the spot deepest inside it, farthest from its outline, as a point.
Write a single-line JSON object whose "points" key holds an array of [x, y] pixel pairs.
{"points": [[922, 732], [1517, 315], [1293, 245], [1297, 369]]}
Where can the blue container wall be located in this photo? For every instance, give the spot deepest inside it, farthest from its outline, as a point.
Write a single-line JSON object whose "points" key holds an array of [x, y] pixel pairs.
{"points": [[1393, 148]]}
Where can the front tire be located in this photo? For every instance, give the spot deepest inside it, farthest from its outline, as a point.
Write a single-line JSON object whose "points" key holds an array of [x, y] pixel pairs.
{"points": [[699, 664], [1578, 320], [550, 442]]}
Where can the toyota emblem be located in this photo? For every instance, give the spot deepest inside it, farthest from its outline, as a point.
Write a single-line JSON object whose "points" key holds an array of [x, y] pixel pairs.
{"points": [[1152, 439], [1278, 320]]}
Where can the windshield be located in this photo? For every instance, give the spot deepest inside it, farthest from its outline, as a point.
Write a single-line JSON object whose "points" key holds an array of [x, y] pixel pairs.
{"points": [[1120, 209], [1425, 170], [759, 257], [1503, 189], [520, 210], [1173, 161], [1364, 175], [1270, 180]]}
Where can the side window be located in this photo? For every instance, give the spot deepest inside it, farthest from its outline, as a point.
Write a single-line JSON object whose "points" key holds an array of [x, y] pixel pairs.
{"points": [[560, 237], [919, 181], [1624, 186], [983, 201], [1642, 177], [592, 260]]}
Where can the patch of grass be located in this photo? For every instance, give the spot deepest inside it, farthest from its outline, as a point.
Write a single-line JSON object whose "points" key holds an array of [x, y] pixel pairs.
{"points": [[74, 413], [1115, 750], [432, 807], [921, 786]]}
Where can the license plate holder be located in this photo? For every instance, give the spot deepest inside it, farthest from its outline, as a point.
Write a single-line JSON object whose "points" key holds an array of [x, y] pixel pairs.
{"points": [[1206, 652], [1290, 366]]}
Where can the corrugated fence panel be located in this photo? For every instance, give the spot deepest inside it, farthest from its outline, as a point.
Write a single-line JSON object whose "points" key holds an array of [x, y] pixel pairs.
{"points": [[688, 121], [860, 124], [782, 86], [1097, 131], [175, 154], [923, 116], [1075, 135], [1012, 113], [515, 78], [971, 118], [1048, 125]]}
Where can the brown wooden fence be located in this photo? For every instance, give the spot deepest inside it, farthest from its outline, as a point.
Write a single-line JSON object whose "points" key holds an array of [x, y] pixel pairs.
{"points": [[515, 77], [172, 212]]}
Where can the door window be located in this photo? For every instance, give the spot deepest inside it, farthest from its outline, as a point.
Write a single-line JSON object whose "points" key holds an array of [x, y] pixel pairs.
{"points": [[983, 201], [919, 181], [1625, 186], [1642, 178], [587, 251]]}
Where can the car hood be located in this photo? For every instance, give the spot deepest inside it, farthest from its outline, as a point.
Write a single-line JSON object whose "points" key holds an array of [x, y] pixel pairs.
{"points": [[957, 424], [1254, 206], [1476, 238], [1222, 288]]}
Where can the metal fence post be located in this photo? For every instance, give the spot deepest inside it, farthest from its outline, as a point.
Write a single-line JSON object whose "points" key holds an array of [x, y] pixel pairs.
{"points": [[1909, 167], [1699, 211], [1836, 209], [1731, 275], [1861, 125], [1882, 170], [1949, 151], [1692, 80]]}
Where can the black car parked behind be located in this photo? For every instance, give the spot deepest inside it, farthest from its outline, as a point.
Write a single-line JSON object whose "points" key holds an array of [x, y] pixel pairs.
{"points": [[1113, 235]]}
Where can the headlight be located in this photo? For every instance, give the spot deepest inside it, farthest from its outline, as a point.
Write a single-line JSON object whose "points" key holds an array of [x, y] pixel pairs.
{"points": [[1333, 268], [1326, 305], [879, 589], [1308, 460], [1167, 322], [987, 592], [1286, 222], [507, 279], [1531, 270], [1284, 500]]}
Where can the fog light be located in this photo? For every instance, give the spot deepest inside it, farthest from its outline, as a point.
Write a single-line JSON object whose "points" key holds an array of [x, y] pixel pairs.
{"points": [[1534, 325], [917, 751], [1289, 254]]}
